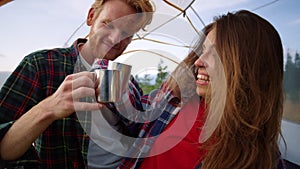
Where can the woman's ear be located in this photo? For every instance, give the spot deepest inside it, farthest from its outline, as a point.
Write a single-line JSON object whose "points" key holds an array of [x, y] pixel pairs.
{"points": [[90, 17]]}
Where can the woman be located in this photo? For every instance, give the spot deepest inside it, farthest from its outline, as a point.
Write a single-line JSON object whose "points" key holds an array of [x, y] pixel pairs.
{"points": [[251, 53], [238, 76]]}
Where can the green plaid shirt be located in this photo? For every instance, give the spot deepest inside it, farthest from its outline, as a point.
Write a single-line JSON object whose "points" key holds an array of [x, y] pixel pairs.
{"points": [[38, 76]]}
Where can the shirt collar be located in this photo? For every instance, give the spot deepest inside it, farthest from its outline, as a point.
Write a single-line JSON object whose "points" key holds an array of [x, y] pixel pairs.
{"points": [[98, 64], [85, 63]]}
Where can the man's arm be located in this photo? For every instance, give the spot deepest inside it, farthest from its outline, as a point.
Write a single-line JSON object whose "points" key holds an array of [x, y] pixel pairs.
{"points": [[61, 104]]}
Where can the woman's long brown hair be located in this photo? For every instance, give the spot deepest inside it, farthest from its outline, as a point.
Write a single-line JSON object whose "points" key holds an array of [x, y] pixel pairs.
{"points": [[251, 52]]}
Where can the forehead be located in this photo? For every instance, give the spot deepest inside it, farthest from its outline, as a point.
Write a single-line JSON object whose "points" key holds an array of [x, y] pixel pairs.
{"points": [[210, 38], [120, 14], [116, 9]]}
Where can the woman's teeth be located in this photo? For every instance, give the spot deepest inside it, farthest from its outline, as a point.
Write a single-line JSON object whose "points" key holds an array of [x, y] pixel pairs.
{"points": [[203, 77]]}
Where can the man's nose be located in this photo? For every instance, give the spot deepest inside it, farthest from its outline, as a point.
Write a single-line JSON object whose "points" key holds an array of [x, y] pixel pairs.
{"points": [[115, 36]]}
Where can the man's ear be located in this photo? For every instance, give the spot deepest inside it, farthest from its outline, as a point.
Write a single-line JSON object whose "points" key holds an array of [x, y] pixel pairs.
{"points": [[90, 17]]}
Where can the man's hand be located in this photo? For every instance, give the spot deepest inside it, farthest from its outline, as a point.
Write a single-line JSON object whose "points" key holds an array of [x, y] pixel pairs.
{"points": [[66, 99]]}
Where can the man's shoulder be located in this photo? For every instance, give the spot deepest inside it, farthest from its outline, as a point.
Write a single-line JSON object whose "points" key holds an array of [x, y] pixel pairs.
{"points": [[55, 53], [50, 60]]}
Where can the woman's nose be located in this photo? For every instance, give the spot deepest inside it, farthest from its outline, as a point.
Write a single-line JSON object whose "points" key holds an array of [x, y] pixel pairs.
{"points": [[199, 62]]}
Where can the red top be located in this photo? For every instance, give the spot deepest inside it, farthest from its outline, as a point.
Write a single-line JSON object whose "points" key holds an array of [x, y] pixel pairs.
{"points": [[185, 131]]}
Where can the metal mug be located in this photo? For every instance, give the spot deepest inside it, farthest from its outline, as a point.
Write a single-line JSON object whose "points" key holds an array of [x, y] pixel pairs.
{"points": [[107, 85], [125, 72]]}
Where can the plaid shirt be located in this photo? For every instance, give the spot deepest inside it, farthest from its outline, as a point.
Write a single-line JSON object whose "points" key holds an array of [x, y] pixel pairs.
{"points": [[38, 76], [162, 103], [64, 144], [142, 147]]}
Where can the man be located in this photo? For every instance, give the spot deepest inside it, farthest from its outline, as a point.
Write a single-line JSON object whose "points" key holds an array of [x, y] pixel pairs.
{"points": [[38, 126]]}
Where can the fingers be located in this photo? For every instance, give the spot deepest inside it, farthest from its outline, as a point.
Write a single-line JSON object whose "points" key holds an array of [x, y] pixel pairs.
{"points": [[83, 82], [83, 92], [67, 97], [85, 106], [80, 74], [82, 79], [83, 85], [80, 84]]}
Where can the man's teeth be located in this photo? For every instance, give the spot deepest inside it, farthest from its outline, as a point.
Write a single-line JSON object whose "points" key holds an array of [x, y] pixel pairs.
{"points": [[203, 77]]}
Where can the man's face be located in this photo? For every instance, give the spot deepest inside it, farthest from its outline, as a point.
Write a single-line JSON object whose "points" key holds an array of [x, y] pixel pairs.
{"points": [[112, 30]]}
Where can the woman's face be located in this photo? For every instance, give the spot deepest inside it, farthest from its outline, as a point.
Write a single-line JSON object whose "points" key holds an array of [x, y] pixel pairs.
{"points": [[205, 63], [211, 82]]}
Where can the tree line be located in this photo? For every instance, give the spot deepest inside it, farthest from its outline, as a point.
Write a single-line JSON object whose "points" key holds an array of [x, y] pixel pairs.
{"points": [[292, 77], [147, 82]]}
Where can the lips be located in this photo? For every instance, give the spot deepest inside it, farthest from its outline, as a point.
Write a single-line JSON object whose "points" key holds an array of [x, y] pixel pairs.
{"points": [[111, 46], [108, 44]]}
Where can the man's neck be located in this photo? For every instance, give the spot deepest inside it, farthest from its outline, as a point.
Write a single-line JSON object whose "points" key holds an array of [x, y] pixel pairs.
{"points": [[83, 50]]}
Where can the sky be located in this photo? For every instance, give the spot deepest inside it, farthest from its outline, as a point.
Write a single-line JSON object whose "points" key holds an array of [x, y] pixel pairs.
{"points": [[30, 25]]}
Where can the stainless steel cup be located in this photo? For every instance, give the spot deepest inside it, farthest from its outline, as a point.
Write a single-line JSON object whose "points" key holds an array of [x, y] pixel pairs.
{"points": [[108, 85], [125, 72]]}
